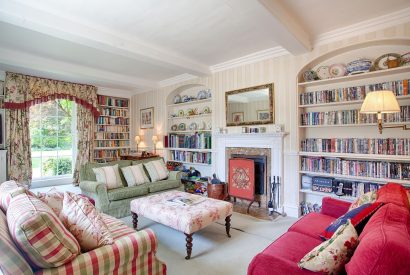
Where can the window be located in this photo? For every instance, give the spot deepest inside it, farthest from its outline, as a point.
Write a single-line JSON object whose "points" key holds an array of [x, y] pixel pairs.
{"points": [[52, 140]]}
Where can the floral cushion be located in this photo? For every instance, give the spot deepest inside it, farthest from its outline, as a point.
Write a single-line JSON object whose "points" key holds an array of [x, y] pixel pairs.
{"points": [[54, 199], [330, 256], [157, 170], [39, 233], [358, 217], [368, 197], [109, 175], [134, 175], [8, 190], [84, 222]]}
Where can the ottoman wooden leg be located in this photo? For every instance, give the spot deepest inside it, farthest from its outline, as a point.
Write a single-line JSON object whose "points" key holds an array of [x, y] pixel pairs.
{"points": [[135, 220], [228, 225], [188, 246]]}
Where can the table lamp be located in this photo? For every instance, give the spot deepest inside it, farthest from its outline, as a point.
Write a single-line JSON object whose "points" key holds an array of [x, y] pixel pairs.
{"points": [[155, 140], [137, 141]]}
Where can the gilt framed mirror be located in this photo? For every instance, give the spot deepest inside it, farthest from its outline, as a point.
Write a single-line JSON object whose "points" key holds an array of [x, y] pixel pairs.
{"points": [[250, 106]]}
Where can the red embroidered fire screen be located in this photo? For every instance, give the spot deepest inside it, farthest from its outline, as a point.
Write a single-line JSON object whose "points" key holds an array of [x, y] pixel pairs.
{"points": [[242, 178]]}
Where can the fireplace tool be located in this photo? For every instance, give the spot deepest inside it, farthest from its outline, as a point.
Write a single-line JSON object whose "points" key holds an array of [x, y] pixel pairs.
{"points": [[274, 203]]}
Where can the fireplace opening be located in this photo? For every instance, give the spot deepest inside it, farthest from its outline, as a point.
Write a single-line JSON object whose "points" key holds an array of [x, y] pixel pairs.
{"points": [[260, 171]]}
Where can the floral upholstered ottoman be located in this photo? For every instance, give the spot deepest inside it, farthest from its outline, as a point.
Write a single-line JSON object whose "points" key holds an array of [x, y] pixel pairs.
{"points": [[182, 211]]}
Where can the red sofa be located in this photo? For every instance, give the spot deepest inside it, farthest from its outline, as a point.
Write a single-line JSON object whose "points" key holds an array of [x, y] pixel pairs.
{"points": [[384, 244]]}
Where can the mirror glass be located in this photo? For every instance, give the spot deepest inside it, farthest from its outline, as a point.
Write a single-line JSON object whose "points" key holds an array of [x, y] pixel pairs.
{"points": [[250, 106]]}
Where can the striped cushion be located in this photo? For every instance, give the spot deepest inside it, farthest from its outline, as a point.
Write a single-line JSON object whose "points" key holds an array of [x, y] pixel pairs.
{"points": [[8, 190], [156, 170], [11, 263], [109, 175], [135, 175], [38, 232], [130, 254]]}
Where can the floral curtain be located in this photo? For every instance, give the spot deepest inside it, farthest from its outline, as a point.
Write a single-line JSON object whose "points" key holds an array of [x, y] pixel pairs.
{"points": [[23, 91], [85, 146]]}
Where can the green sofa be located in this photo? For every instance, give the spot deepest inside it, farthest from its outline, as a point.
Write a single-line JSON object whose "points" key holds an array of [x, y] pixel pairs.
{"points": [[116, 202]]}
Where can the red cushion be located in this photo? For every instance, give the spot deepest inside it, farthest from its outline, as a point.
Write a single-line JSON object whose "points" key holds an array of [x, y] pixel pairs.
{"points": [[384, 245], [334, 207], [291, 246], [393, 193], [268, 265], [313, 224]]}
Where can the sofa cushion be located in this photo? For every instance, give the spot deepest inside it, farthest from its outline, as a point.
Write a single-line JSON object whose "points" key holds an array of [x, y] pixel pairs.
{"points": [[11, 262], [127, 192], [37, 231], [109, 175], [156, 170], [8, 190], [331, 256], [312, 224], [384, 245], [269, 265], [53, 198], [84, 222], [358, 216], [163, 185], [334, 207], [368, 197], [134, 175], [393, 193], [291, 246], [87, 173]]}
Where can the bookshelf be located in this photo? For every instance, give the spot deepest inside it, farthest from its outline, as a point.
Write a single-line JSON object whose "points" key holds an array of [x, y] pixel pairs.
{"points": [[189, 135], [112, 133], [336, 141]]}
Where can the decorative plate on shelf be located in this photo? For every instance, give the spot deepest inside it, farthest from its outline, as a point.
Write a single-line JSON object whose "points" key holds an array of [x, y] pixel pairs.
{"points": [[193, 126], [337, 70], [181, 113], [174, 127], [323, 72], [203, 126], [201, 95], [208, 93], [405, 59], [309, 75], [209, 125], [206, 110], [381, 63], [185, 98], [182, 127], [177, 99]]}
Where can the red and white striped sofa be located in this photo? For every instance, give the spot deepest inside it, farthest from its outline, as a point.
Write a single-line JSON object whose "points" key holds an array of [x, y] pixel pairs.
{"points": [[131, 253]]}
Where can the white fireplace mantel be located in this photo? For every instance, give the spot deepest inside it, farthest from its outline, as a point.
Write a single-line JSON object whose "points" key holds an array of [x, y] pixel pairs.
{"points": [[273, 141]]}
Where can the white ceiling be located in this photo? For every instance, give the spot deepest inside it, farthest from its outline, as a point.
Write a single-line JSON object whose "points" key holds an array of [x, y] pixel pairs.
{"points": [[135, 44]]}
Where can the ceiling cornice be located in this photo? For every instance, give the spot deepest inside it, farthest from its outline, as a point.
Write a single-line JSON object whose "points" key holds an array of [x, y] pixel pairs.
{"points": [[176, 79], [374, 24], [248, 59]]}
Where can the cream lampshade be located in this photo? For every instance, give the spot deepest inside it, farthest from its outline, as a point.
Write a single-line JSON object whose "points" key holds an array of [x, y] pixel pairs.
{"points": [[380, 102]]}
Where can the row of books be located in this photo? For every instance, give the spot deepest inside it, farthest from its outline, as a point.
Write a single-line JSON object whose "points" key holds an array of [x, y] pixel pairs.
{"points": [[357, 168], [112, 143], [114, 121], [383, 146], [110, 153], [102, 135], [193, 141], [113, 128], [114, 102], [351, 117], [399, 88], [114, 112], [194, 157]]}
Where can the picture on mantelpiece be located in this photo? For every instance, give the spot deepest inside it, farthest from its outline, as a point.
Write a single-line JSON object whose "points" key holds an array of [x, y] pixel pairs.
{"points": [[262, 115], [237, 117], [147, 118]]}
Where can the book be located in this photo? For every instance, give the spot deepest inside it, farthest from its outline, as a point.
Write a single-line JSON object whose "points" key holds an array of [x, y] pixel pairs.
{"points": [[186, 201]]}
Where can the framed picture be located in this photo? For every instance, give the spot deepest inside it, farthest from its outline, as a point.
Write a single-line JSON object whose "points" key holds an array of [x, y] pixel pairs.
{"points": [[262, 115], [237, 117], [147, 118]]}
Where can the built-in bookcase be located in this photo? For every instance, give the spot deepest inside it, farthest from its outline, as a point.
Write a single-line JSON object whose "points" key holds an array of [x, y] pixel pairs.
{"points": [[337, 142], [112, 134]]}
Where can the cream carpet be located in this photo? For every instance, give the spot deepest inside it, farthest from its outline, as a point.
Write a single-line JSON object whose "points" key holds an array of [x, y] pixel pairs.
{"points": [[213, 252]]}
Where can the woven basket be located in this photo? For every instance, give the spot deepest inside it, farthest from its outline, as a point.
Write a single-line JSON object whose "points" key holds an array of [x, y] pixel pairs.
{"points": [[217, 191]]}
